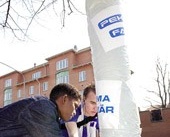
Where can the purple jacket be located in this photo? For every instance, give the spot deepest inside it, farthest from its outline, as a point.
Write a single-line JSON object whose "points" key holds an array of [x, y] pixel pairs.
{"points": [[92, 123]]}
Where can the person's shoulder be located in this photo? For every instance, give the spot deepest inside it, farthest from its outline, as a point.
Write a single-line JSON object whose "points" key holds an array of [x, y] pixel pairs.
{"points": [[38, 98], [41, 101], [43, 105]]}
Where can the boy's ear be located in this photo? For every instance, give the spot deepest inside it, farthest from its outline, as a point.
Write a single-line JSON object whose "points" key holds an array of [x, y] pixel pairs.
{"points": [[64, 98]]}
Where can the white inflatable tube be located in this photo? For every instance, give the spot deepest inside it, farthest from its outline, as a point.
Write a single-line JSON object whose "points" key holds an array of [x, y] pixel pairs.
{"points": [[118, 113]]}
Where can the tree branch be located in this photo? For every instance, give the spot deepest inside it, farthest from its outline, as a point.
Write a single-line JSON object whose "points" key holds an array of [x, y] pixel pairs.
{"points": [[7, 13], [34, 17], [19, 22]]}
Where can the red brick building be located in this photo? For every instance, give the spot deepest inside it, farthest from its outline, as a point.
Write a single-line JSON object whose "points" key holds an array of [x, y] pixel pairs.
{"points": [[71, 66], [155, 123], [74, 67]]}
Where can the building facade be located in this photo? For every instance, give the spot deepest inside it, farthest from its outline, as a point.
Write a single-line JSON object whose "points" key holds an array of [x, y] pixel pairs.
{"points": [[71, 66], [155, 123]]}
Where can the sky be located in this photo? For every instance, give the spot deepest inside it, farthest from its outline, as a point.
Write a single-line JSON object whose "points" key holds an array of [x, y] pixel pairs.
{"points": [[147, 37]]}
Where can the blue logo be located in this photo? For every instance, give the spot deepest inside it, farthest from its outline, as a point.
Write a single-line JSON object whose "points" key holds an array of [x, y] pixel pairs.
{"points": [[110, 20], [101, 98], [102, 108], [117, 32]]}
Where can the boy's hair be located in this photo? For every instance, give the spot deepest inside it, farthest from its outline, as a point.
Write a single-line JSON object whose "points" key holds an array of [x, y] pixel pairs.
{"points": [[62, 89], [89, 88]]}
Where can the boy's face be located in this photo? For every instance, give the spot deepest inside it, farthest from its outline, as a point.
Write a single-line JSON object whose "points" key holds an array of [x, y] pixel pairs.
{"points": [[90, 104], [68, 107]]}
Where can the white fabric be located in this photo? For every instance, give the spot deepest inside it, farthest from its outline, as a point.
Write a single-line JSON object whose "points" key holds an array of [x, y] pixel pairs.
{"points": [[111, 65]]}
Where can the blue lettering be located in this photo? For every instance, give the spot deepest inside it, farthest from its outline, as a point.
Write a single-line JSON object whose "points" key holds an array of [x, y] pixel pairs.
{"points": [[110, 108], [110, 20], [106, 109], [106, 98], [102, 99], [101, 109], [99, 98], [116, 32]]}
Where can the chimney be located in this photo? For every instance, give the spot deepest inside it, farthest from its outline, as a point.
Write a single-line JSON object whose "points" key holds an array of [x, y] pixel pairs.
{"points": [[75, 47]]}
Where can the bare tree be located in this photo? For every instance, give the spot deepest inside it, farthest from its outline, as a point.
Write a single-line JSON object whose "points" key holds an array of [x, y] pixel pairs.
{"points": [[17, 16], [163, 83]]}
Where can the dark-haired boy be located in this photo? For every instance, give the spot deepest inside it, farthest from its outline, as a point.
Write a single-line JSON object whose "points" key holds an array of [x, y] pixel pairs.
{"points": [[39, 116]]}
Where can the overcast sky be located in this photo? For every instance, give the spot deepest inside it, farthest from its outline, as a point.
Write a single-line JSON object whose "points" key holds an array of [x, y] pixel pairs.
{"points": [[147, 34]]}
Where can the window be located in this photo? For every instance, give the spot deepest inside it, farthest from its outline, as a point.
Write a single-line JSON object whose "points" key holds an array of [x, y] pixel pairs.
{"points": [[8, 82], [19, 93], [7, 97], [36, 75], [31, 90], [156, 115], [45, 86], [82, 76], [62, 77], [62, 64]]}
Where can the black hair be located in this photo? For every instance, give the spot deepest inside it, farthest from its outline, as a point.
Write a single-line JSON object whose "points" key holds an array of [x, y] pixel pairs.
{"points": [[89, 88], [62, 89]]}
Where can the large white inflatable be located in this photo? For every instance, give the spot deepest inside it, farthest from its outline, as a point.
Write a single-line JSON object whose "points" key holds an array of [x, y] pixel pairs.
{"points": [[118, 113]]}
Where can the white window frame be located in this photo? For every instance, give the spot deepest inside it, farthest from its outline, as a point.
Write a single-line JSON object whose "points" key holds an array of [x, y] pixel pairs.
{"points": [[19, 93], [36, 75], [62, 64], [45, 86], [62, 77], [82, 76], [31, 90], [7, 97], [8, 82]]}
